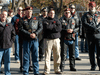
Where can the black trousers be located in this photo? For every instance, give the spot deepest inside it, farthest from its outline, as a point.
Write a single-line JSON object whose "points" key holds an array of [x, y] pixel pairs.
{"points": [[92, 42], [21, 54], [71, 54], [41, 48]]}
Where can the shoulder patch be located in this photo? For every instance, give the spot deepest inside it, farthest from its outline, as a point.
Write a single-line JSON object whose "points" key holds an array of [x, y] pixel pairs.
{"points": [[95, 14], [34, 18], [54, 21], [6, 25], [99, 19], [63, 20], [17, 20]]}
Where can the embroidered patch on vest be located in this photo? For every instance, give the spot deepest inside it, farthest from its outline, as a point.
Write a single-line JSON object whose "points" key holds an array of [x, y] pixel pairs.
{"points": [[6, 24], [30, 30], [34, 18], [54, 21]]}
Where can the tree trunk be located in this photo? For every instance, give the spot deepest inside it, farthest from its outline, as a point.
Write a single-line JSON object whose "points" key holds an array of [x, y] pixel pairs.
{"points": [[57, 6], [14, 7], [27, 3]]}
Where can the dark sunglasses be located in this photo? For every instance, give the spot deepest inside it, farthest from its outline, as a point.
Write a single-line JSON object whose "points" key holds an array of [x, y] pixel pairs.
{"points": [[67, 12], [19, 10], [44, 11], [72, 8]]}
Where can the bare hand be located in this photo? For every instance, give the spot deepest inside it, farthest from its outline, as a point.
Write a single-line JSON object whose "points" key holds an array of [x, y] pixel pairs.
{"points": [[69, 30], [33, 35]]}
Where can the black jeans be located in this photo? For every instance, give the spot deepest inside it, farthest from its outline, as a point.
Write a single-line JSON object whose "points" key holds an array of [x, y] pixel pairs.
{"points": [[92, 42], [71, 54], [41, 48]]}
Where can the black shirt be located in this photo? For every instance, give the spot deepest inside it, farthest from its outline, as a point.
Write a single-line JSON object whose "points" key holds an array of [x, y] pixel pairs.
{"points": [[51, 28]]}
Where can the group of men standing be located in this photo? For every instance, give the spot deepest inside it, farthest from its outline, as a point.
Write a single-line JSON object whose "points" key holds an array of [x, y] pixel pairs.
{"points": [[48, 33]]}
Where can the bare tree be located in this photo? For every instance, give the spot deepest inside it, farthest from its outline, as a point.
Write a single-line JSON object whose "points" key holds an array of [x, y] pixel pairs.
{"points": [[57, 6], [27, 2], [0, 1], [15, 4]]}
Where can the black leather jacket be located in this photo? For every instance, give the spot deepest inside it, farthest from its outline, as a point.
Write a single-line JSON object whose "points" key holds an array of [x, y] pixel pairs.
{"points": [[70, 23], [90, 23], [29, 26], [40, 36]]}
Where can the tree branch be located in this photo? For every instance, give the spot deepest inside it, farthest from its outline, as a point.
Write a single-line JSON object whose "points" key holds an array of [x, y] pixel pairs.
{"points": [[26, 3], [19, 2], [60, 4], [30, 2]]}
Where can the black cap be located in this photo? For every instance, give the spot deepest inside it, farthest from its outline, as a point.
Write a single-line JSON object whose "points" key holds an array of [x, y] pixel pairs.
{"points": [[44, 9], [71, 6], [28, 8]]}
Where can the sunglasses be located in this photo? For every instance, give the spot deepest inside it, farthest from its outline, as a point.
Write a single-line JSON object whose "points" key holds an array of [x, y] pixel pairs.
{"points": [[19, 10], [67, 12], [44, 11], [72, 8], [91, 6]]}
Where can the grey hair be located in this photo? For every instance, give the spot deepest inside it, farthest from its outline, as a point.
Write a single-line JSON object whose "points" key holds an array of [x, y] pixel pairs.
{"points": [[19, 8], [4, 11]]}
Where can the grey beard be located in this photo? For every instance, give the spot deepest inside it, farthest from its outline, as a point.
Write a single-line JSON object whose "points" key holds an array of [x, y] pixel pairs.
{"points": [[73, 11], [92, 11]]}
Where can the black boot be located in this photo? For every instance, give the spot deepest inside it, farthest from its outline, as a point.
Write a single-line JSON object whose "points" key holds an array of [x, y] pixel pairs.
{"points": [[72, 64], [1, 71], [61, 68], [72, 69], [93, 68], [62, 65], [30, 69], [21, 69], [40, 59]]}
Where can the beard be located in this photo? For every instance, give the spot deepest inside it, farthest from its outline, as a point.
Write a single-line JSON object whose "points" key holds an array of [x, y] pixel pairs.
{"points": [[92, 11], [73, 11], [45, 14], [68, 16]]}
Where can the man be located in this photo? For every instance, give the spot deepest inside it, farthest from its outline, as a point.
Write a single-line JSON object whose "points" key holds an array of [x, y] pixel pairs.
{"points": [[69, 28], [83, 38], [7, 37], [91, 23], [41, 40], [30, 28], [51, 30], [21, 41], [74, 15], [19, 15], [10, 15], [9, 18]]}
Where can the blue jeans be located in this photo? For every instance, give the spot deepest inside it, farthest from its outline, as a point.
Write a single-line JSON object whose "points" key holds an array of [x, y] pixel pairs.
{"points": [[33, 47], [6, 54], [17, 47], [82, 45], [76, 47]]}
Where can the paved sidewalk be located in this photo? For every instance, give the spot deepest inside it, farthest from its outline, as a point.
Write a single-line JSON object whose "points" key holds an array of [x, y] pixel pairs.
{"points": [[83, 67]]}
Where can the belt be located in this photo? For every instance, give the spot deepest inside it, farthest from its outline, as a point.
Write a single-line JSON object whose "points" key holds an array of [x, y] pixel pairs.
{"points": [[31, 31], [67, 39]]}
